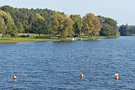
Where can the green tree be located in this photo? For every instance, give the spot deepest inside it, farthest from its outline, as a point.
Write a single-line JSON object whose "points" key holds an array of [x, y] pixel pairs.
{"points": [[77, 24], [62, 25], [102, 19], [124, 30], [25, 16], [106, 30], [58, 24], [7, 24], [67, 29], [91, 24], [2, 25], [11, 30], [20, 28], [39, 25], [109, 27]]}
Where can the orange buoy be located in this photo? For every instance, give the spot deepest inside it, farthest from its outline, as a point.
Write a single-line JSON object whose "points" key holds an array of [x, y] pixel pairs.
{"points": [[81, 75], [116, 76], [14, 77]]}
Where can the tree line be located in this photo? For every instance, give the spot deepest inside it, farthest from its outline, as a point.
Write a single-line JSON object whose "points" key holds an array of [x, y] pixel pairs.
{"points": [[127, 30], [45, 21]]}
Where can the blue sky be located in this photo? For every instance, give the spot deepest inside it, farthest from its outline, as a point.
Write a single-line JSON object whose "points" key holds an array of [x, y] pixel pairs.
{"points": [[121, 10]]}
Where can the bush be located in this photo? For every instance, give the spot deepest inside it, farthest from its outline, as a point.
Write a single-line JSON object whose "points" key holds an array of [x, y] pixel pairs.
{"points": [[43, 36], [76, 35], [24, 36]]}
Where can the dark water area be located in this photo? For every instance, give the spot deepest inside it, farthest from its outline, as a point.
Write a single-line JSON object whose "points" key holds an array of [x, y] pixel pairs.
{"points": [[57, 65]]}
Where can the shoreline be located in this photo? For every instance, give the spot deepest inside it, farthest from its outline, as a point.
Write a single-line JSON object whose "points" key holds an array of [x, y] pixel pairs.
{"points": [[17, 40]]}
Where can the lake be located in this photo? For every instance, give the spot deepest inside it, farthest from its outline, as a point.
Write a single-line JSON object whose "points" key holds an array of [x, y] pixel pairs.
{"points": [[57, 65]]}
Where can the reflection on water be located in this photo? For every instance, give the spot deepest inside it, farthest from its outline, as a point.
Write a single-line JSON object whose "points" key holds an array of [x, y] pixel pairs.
{"points": [[57, 66]]}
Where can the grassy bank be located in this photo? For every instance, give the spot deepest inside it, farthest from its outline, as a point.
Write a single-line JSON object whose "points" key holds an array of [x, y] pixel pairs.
{"points": [[15, 40]]}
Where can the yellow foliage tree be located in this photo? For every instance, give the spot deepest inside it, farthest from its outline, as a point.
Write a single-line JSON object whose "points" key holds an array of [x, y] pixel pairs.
{"points": [[91, 24]]}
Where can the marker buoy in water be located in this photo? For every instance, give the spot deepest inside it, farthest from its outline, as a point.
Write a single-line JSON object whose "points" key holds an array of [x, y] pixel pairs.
{"points": [[14, 77], [116, 76], [81, 75]]}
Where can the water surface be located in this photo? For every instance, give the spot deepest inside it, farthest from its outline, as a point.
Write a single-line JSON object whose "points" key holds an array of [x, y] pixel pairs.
{"points": [[57, 65]]}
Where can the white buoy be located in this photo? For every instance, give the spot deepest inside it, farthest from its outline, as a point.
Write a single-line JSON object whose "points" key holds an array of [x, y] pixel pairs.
{"points": [[81, 75], [116, 76], [14, 77]]}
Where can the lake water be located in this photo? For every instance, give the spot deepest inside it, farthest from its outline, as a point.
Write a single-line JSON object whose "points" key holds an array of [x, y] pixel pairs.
{"points": [[57, 65]]}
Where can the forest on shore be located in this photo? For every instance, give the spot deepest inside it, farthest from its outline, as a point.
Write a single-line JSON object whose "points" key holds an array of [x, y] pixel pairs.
{"points": [[14, 21]]}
